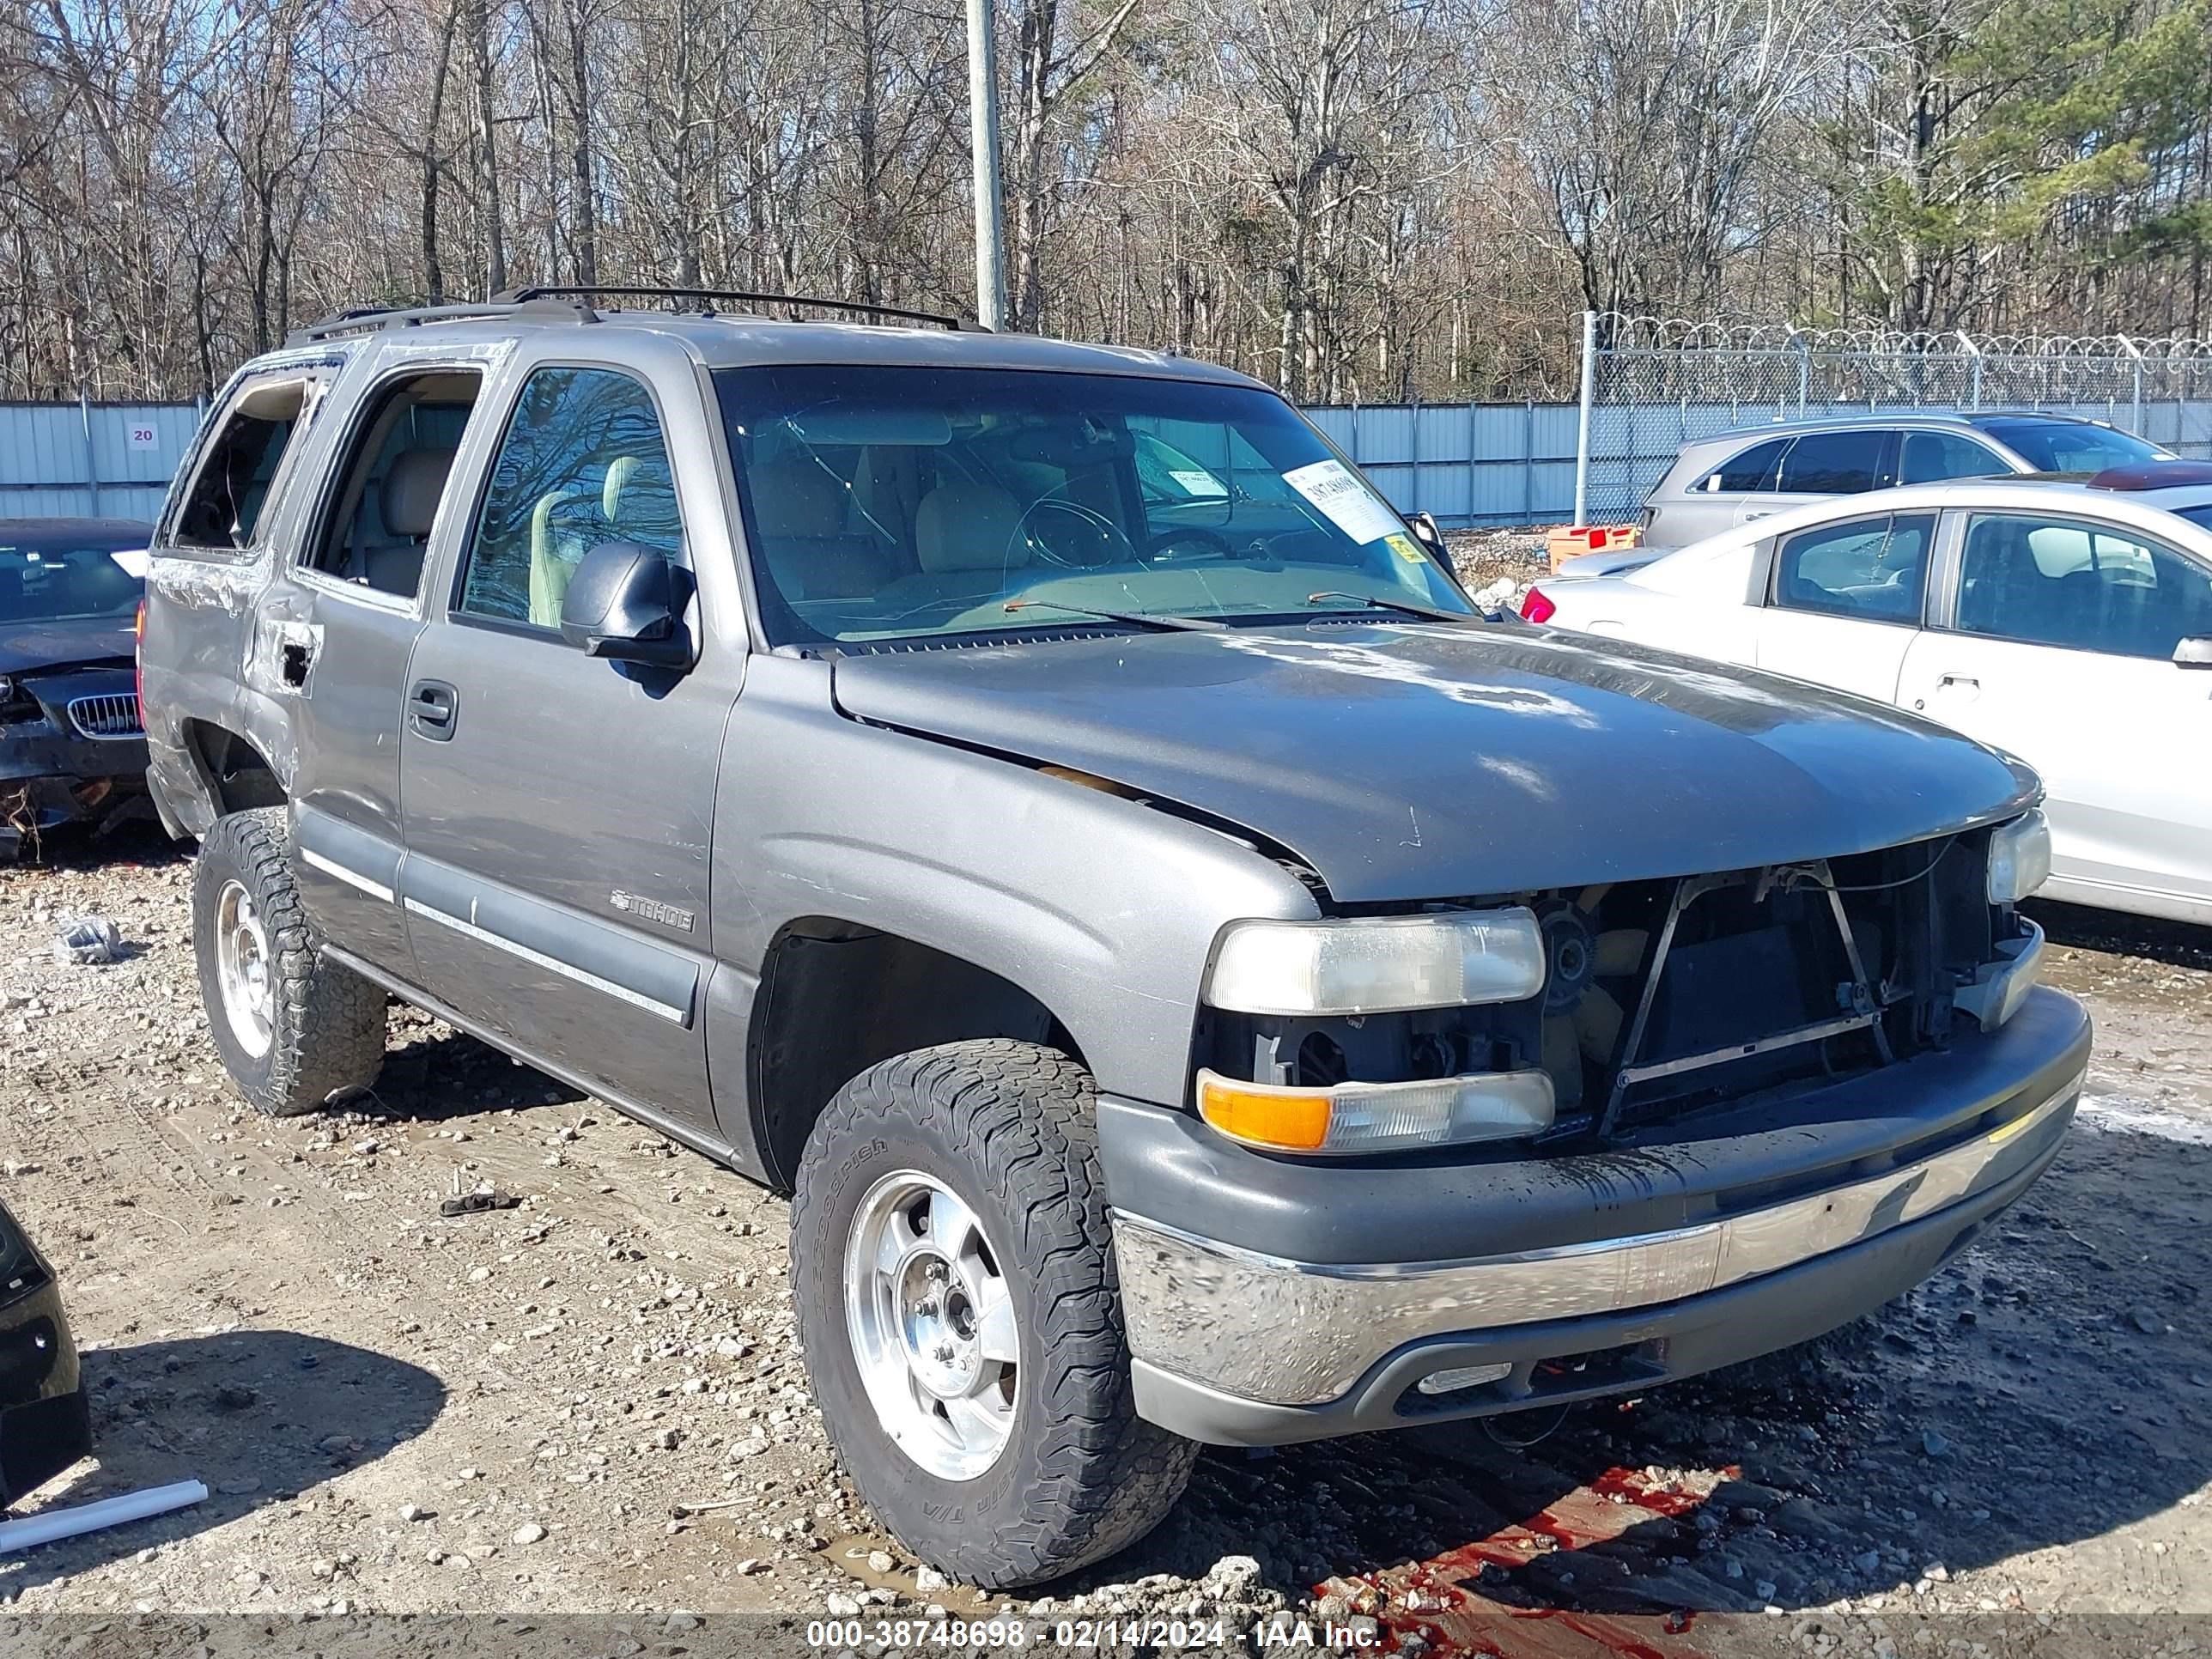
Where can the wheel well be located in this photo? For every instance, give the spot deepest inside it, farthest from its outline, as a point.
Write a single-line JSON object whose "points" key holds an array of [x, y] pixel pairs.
{"points": [[237, 775], [836, 997]]}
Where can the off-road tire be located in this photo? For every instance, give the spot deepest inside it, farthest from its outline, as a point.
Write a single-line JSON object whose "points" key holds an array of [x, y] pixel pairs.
{"points": [[328, 1028], [1010, 1127]]}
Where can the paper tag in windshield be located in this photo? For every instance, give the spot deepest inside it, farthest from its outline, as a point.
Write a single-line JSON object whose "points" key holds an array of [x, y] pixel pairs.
{"points": [[1349, 505], [1199, 484], [1404, 548]]}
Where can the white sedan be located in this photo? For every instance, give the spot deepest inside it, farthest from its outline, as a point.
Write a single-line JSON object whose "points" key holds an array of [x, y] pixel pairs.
{"points": [[2067, 622]]}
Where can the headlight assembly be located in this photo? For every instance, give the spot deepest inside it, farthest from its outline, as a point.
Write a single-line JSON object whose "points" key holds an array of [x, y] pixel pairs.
{"points": [[2000, 986], [1378, 1117], [2020, 858], [1377, 964]]}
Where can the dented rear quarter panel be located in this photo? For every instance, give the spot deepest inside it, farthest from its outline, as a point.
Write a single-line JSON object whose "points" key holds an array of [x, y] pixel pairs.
{"points": [[206, 655], [218, 624]]}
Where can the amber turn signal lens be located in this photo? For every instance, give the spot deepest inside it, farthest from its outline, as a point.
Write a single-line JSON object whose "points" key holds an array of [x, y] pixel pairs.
{"points": [[1296, 1120]]}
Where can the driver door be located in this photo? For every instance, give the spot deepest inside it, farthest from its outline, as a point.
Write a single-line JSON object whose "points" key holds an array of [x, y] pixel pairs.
{"points": [[2061, 648]]}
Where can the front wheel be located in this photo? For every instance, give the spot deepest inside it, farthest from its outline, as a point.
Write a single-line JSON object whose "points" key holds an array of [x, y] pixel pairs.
{"points": [[960, 1318]]}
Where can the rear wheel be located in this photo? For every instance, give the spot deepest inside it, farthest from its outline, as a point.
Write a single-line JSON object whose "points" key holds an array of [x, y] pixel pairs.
{"points": [[292, 1029], [960, 1317]]}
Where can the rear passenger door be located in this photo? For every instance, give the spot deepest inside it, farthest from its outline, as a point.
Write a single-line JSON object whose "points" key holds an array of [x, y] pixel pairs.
{"points": [[1844, 600], [356, 560], [559, 809]]}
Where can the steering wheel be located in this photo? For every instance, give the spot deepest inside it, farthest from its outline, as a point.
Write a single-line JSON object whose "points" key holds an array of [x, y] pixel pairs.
{"points": [[1091, 516], [1211, 541]]}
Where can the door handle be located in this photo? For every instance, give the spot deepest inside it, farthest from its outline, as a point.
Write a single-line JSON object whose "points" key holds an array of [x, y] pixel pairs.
{"points": [[433, 706], [1960, 682]]}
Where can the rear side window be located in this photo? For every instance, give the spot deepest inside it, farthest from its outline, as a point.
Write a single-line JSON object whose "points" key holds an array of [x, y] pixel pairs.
{"points": [[1870, 569], [224, 506], [1755, 469], [1932, 457], [376, 528], [583, 462], [1833, 463]]}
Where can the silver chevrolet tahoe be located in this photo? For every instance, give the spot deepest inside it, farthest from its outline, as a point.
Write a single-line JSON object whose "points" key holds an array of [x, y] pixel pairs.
{"points": [[1200, 979]]}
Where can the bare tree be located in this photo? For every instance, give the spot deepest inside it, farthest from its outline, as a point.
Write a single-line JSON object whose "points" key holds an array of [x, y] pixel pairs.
{"points": [[1356, 198]]}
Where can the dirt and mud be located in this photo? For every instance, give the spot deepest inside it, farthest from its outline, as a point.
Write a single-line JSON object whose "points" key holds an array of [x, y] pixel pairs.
{"points": [[590, 1404]]}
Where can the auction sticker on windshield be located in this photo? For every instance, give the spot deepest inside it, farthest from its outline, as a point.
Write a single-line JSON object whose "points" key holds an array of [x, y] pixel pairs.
{"points": [[1195, 483], [1352, 507]]}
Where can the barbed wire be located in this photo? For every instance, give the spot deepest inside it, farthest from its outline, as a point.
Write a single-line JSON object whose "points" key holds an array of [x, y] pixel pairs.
{"points": [[1657, 382], [1623, 332]]}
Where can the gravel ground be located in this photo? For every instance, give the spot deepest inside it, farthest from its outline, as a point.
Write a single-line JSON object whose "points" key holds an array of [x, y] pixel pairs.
{"points": [[592, 1403], [1498, 566]]}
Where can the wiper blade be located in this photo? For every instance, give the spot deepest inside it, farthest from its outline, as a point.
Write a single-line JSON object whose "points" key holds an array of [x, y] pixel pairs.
{"points": [[1372, 602], [1167, 622]]}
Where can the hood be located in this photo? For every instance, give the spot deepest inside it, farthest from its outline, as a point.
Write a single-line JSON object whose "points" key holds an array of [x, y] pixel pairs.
{"points": [[26, 646], [1410, 763]]}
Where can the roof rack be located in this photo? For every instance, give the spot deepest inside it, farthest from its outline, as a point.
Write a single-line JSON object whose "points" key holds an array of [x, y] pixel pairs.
{"points": [[365, 319], [594, 290]]}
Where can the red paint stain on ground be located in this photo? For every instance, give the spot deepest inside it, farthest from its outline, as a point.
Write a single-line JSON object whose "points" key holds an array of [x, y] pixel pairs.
{"points": [[1435, 1597]]}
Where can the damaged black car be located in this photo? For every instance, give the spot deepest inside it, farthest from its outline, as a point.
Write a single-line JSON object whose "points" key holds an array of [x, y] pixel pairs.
{"points": [[71, 747], [44, 1424]]}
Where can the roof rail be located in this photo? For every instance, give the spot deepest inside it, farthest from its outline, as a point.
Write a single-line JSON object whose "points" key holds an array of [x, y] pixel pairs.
{"points": [[365, 319], [593, 290]]}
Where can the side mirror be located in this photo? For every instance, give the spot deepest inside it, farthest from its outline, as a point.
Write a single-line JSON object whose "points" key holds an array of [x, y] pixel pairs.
{"points": [[2193, 654], [1424, 525], [624, 604]]}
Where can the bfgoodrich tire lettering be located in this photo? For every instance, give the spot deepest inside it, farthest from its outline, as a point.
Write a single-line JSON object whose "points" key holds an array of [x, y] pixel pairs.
{"points": [[326, 1024], [1008, 1128]]}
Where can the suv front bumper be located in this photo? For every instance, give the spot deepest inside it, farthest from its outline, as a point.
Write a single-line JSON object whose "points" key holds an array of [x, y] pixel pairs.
{"points": [[1270, 1300]]}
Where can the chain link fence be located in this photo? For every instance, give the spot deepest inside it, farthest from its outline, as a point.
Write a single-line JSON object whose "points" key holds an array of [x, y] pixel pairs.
{"points": [[1651, 384]]}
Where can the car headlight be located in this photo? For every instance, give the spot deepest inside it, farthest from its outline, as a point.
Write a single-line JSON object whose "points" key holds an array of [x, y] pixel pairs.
{"points": [[1377, 964], [2020, 858], [2001, 986], [1378, 1117]]}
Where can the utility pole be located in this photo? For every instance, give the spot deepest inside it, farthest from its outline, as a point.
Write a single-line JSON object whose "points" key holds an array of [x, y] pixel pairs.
{"points": [[1583, 419], [983, 144]]}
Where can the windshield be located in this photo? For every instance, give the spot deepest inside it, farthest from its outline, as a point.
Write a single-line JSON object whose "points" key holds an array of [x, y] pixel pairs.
{"points": [[2197, 515], [64, 581], [893, 502], [2069, 447]]}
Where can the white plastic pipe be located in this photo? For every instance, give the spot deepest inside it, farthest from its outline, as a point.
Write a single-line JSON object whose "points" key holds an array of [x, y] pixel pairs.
{"points": [[53, 1524]]}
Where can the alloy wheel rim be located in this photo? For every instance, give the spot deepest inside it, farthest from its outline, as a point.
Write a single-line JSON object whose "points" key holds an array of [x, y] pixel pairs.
{"points": [[931, 1323], [244, 969]]}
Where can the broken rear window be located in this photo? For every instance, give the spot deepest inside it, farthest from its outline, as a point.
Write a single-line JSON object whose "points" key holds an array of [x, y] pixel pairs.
{"points": [[224, 507]]}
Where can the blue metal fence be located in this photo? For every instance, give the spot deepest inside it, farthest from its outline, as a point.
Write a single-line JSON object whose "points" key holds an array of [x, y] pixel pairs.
{"points": [[101, 460], [1468, 464]]}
